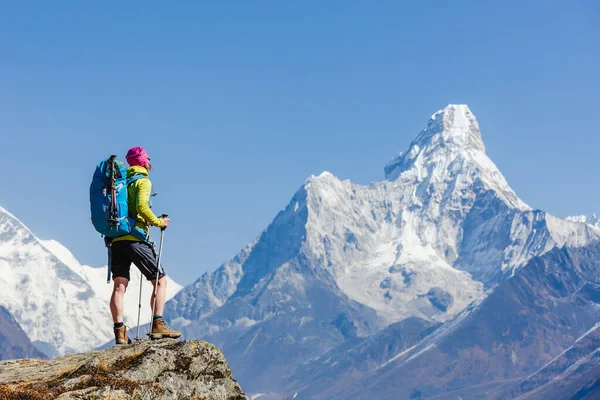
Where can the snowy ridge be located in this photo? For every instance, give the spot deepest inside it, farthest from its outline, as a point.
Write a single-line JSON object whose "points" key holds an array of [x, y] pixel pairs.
{"points": [[60, 304], [593, 220]]}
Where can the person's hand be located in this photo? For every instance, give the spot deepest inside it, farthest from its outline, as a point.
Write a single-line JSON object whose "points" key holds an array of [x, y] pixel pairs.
{"points": [[165, 222]]}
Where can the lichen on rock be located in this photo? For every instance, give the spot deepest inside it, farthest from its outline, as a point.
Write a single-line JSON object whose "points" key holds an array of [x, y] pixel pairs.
{"points": [[164, 369]]}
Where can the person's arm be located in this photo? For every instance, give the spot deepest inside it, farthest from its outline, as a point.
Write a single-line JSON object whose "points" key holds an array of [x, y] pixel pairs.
{"points": [[143, 209]]}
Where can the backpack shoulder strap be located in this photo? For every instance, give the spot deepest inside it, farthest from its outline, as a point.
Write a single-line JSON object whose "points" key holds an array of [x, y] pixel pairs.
{"points": [[135, 178]]}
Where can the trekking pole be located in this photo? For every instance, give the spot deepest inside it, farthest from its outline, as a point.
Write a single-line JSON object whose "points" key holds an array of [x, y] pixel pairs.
{"points": [[108, 243], [160, 249], [137, 333]]}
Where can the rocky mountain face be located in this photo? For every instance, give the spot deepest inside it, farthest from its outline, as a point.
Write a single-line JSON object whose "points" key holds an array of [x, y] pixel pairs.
{"points": [[14, 343], [344, 261], [575, 373], [61, 305], [355, 359], [534, 336], [163, 369]]}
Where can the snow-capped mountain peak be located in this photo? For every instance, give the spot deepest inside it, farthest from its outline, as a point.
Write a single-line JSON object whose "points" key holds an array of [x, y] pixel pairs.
{"points": [[344, 260], [455, 126], [450, 153], [452, 128], [461, 127]]}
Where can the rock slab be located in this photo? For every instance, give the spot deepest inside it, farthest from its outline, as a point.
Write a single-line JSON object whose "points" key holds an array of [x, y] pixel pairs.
{"points": [[163, 369]]}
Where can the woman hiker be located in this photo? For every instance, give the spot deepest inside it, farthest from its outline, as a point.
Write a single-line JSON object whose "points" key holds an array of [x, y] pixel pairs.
{"points": [[136, 248]]}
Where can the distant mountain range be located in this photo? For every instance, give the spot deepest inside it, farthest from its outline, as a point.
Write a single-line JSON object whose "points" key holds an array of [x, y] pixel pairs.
{"points": [[438, 282]]}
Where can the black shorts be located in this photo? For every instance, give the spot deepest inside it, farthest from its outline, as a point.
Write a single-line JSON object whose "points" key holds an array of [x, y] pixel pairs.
{"points": [[142, 254]]}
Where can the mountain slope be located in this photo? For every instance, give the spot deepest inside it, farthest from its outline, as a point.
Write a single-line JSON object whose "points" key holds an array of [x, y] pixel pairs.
{"points": [[356, 359], [575, 373], [343, 261], [60, 304], [524, 324], [14, 343]]}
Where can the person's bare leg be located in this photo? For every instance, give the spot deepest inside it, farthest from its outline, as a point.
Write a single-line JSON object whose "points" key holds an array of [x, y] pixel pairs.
{"points": [[161, 295], [116, 300]]}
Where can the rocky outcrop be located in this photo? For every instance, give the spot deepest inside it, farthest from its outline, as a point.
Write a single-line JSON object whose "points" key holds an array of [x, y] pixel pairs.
{"points": [[164, 369]]}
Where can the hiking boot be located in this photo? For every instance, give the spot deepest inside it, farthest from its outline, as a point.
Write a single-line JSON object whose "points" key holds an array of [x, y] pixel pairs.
{"points": [[121, 335], [161, 330]]}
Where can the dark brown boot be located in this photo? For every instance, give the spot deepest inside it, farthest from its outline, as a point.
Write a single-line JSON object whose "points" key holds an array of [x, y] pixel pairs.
{"points": [[161, 330], [121, 335]]}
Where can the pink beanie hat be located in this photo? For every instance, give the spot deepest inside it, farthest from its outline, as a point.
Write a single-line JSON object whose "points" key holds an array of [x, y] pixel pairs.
{"points": [[137, 156]]}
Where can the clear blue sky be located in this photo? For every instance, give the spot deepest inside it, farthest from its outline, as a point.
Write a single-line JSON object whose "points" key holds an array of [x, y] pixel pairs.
{"points": [[239, 102]]}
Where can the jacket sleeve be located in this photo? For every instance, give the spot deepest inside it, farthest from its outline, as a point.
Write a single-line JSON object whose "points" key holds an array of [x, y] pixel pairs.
{"points": [[143, 209]]}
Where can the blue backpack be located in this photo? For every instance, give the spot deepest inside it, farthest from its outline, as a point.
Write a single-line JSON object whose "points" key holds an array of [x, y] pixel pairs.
{"points": [[108, 200]]}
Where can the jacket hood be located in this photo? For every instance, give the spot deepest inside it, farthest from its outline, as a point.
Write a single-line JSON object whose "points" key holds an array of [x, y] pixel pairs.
{"points": [[136, 169]]}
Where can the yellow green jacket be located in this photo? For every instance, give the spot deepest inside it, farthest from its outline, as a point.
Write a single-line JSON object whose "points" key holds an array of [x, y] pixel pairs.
{"points": [[138, 199]]}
